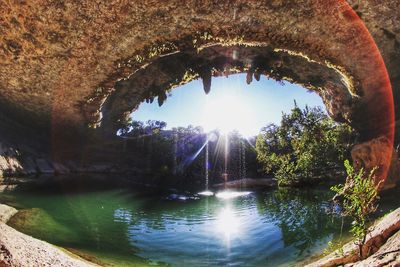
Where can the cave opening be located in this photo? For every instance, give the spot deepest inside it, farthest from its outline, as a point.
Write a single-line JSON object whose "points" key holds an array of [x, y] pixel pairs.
{"points": [[234, 121], [166, 69], [232, 104]]}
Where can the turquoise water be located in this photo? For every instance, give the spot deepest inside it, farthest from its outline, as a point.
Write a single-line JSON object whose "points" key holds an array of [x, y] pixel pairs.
{"points": [[122, 228]]}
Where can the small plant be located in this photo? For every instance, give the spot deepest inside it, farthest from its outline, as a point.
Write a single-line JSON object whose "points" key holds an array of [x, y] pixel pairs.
{"points": [[332, 246], [360, 195]]}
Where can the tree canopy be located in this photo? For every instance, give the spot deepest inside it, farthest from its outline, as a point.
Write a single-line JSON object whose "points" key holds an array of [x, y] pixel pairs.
{"points": [[306, 146]]}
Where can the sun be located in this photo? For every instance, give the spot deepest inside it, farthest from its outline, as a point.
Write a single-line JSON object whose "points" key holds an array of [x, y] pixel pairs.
{"points": [[227, 113]]}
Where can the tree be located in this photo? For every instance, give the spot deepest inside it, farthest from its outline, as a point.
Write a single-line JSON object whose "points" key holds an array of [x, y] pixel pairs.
{"points": [[306, 146], [359, 201]]}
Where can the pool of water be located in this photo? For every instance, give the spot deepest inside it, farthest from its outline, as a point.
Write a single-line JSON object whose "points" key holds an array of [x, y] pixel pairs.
{"points": [[123, 228]]}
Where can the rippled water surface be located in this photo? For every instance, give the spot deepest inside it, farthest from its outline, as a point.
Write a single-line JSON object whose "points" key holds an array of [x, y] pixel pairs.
{"points": [[122, 228]]}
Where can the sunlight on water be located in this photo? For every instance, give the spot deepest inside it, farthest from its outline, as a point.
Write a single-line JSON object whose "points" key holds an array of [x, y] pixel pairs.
{"points": [[276, 227], [228, 224], [231, 194], [206, 193]]}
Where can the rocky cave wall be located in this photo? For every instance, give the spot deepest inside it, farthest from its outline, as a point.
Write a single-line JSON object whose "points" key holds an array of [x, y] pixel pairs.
{"points": [[67, 67]]}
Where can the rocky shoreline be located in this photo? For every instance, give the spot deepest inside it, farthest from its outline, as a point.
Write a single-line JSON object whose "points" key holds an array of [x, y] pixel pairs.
{"points": [[20, 250], [382, 245]]}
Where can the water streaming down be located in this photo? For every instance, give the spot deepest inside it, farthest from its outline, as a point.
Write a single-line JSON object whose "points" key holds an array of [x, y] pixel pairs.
{"points": [[206, 166], [207, 192], [226, 158], [175, 159], [243, 158]]}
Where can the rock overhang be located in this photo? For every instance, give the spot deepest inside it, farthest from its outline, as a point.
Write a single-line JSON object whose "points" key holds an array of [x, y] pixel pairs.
{"points": [[167, 72], [64, 63]]}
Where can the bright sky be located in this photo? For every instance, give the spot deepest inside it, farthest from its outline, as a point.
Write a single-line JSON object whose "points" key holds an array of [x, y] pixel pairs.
{"points": [[232, 104]]}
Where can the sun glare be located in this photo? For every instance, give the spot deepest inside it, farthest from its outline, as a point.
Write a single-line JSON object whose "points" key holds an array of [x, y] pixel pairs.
{"points": [[228, 224], [228, 113], [231, 194]]}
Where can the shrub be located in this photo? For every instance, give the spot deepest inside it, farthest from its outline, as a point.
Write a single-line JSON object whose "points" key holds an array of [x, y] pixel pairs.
{"points": [[360, 195]]}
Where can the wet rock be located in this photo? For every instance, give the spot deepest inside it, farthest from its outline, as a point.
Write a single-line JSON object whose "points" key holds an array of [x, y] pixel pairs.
{"points": [[6, 212]]}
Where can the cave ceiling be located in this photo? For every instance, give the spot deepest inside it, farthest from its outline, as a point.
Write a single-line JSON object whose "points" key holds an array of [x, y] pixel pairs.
{"points": [[88, 64]]}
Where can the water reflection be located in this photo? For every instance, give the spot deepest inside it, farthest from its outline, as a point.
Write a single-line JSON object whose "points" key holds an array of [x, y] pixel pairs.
{"points": [[228, 224], [258, 229], [122, 215], [274, 228], [302, 217]]}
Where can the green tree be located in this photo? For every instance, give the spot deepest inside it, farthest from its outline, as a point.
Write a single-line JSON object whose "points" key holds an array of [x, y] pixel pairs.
{"points": [[306, 146], [359, 201]]}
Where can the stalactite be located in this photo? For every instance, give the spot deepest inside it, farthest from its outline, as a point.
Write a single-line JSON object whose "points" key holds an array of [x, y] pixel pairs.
{"points": [[249, 77], [257, 75], [161, 98], [206, 77]]}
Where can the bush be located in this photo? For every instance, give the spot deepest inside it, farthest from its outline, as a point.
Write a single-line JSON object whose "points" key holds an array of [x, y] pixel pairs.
{"points": [[360, 195]]}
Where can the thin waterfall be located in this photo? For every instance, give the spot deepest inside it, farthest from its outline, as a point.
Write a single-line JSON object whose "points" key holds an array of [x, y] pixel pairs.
{"points": [[206, 170], [206, 166], [239, 162], [243, 159], [226, 158], [175, 160], [240, 154]]}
